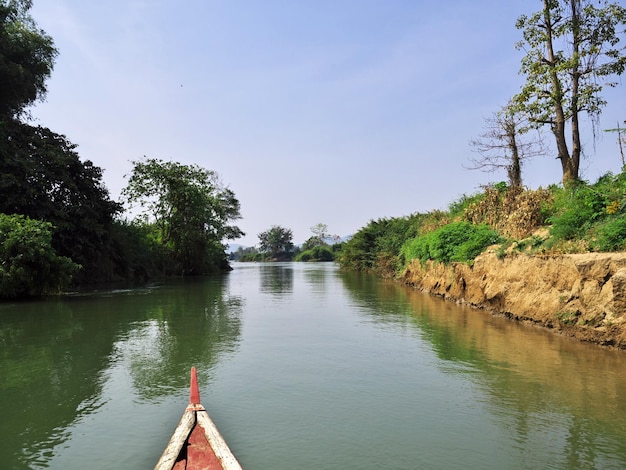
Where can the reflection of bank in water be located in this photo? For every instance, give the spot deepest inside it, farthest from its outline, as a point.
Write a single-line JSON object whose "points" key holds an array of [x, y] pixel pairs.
{"points": [[276, 278]]}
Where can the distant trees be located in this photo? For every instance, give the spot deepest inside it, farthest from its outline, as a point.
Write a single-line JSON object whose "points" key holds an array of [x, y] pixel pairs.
{"points": [[320, 234], [190, 209], [572, 47], [317, 247], [277, 242]]}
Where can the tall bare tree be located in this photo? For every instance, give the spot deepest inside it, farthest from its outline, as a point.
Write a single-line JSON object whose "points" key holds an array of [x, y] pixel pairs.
{"points": [[572, 49], [506, 144]]}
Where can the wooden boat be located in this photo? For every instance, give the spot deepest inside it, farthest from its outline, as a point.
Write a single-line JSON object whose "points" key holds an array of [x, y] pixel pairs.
{"points": [[196, 442]]}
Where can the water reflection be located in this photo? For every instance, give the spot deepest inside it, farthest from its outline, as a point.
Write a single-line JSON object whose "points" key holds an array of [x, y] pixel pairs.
{"points": [[55, 355], [276, 278], [319, 276], [187, 327], [534, 380]]}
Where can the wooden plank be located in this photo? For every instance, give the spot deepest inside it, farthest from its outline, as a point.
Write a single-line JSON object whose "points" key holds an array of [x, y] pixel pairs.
{"points": [[200, 454], [217, 442], [171, 452]]}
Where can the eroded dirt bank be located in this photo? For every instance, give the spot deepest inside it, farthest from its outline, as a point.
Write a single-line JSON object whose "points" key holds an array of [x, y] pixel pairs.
{"points": [[579, 295]]}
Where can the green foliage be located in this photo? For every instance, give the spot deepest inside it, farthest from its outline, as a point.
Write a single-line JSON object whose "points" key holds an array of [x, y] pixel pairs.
{"points": [[458, 241], [380, 239], [580, 206], [277, 242], [26, 58], [572, 49], [567, 317], [42, 177], [458, 207], [317, 253], [28, 264], [136, 254], [611, 235], [190, 210]]}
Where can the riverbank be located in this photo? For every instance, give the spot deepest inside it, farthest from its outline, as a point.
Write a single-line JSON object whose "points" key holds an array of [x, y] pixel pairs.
{"points": [[578, 295]]}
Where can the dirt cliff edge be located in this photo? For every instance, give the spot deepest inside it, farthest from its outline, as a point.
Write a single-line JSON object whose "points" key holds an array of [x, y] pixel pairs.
{"points": [[579, 295]]}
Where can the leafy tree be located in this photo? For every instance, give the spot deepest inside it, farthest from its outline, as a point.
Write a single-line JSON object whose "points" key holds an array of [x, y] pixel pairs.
{"points": [[320, 231], [26, 58], [29, 265], [572, 47], [503, 145], [190, 209], [42, 177], [277, 241], [320, 234]]}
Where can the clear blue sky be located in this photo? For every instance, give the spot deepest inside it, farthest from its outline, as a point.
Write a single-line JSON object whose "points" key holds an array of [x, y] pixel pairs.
{"points": [[311, 111]]}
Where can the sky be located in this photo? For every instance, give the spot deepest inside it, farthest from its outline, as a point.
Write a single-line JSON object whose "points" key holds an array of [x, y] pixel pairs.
{"points": [[311, 111]]}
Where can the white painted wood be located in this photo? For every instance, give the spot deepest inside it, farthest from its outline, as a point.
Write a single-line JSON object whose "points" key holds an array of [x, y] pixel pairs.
{"points": [[171, 452], [217, 442]]}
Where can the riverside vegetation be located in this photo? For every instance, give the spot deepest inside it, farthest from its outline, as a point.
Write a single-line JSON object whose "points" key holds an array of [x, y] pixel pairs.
{"points": [[446, 252], [59, 228]]}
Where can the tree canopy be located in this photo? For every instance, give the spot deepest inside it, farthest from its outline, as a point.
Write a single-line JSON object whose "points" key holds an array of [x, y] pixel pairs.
{"points": [[278, 241], [27, 57], [42, 177], [572, 49], [190, 210]]}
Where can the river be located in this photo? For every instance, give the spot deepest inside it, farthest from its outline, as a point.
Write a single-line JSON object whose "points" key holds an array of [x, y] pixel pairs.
{"points": [[301, 366]]}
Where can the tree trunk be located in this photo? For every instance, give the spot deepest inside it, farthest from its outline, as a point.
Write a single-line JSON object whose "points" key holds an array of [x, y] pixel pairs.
{"points": [[558, 126], [514, 170], [576, 146]]}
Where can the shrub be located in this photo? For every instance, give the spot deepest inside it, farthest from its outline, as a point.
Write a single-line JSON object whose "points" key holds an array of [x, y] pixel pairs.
{"points": [[511, 211], [577, 209], [611, 236], [380, 238], [317, 253], [28, 264], [458, 241]]}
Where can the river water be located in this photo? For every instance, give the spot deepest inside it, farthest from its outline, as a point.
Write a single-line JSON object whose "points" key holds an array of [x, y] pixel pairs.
{"points": [[301, 366]]}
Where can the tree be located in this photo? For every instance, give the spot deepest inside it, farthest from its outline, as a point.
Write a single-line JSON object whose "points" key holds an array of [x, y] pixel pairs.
{"points": [[277, 241], [42, 177], [29, 265], [504, 145], [320, 235], [26, 58], [571, 49], [190, 209]]}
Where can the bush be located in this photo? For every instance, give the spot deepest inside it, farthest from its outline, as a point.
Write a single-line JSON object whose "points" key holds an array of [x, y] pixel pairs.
{"points": [[28, 264], [458, 241], [577, 209], [382, 238], [611, 236], [317, 253]]}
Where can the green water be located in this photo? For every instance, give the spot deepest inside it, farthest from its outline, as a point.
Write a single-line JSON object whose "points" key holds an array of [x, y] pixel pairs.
{"points": [[301, 367]]}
